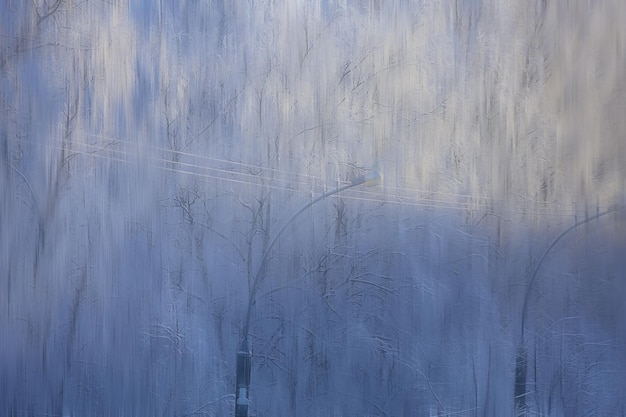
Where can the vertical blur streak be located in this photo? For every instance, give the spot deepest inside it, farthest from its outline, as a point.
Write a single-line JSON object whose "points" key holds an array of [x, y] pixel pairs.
{"points": [[149, 150]]}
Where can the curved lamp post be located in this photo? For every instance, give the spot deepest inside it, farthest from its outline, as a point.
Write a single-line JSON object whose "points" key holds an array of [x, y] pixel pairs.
{"points": [[244, 356], [521, 356]]}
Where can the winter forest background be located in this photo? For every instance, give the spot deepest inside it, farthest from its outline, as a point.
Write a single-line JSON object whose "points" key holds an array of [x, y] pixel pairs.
{"points": [[151, 150]]}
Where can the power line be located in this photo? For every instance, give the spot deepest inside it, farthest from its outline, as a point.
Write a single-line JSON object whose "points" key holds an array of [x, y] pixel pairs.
{"points": [[389, 194], [210, 158], [487, 204]]}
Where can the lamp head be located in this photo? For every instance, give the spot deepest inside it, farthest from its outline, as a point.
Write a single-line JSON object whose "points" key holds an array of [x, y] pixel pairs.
{"points": [[374, 177]]}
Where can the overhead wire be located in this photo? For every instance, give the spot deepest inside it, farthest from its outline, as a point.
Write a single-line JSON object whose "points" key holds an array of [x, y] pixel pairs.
{"points": [[211, 158], [291, 173], [267, 178], [379, 197], [117, 156]]}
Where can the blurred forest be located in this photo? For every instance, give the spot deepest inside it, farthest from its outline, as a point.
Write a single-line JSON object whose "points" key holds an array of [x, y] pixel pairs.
{"points": [[151, 149]]}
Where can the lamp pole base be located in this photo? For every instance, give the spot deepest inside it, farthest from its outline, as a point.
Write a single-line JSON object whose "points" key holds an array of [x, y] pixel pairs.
{"points": [[244, 365]]}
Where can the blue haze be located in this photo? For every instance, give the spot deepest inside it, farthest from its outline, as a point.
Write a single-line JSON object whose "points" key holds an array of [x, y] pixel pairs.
{"points": [[152, 149]]}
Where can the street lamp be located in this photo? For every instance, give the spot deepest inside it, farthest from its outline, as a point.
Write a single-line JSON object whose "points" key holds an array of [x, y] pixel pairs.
{"points": [[244, 356], [521, 358]]}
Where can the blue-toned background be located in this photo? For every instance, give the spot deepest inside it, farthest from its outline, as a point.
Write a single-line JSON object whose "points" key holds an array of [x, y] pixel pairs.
{"points": [[150, 151]]}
